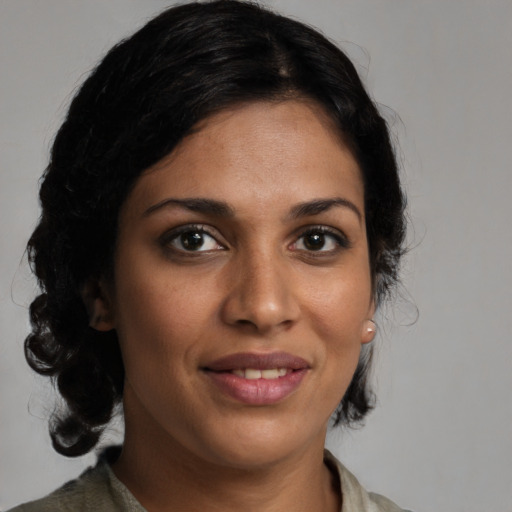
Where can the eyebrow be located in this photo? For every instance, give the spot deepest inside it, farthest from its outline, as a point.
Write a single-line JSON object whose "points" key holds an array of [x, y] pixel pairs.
{"points": [[222, 209], [200, 205], [317, 206]]}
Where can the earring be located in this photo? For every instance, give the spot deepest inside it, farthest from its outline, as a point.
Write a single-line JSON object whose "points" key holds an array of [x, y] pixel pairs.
{"points": [[370, 329]]}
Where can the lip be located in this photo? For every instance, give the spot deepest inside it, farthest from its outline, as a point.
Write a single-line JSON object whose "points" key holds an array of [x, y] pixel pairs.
{"points": [[257, 391], [257, 361]]}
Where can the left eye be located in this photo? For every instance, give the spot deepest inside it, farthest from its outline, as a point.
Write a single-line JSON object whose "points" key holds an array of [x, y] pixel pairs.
{"points": [[319, 241], [194, 240]]}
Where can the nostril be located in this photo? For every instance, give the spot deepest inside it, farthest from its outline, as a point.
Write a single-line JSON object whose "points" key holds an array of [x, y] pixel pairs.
{"points": [[245, 322]]}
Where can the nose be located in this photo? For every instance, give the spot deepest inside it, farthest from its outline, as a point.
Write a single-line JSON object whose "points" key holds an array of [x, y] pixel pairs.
{"points": [[261, 297]]}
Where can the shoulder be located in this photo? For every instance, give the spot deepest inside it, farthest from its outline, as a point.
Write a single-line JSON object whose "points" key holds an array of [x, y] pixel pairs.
{"points": [[92, 490], [355, 497], [383, 504]]}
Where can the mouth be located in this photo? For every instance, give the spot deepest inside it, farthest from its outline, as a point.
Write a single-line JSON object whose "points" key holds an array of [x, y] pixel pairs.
{"points": [[255, 373], [257, 379], [249, 361]]}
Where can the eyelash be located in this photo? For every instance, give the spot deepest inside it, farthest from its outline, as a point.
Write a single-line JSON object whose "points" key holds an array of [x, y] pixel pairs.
{"points": [[168, 238], [339, 238], [341, 241]]}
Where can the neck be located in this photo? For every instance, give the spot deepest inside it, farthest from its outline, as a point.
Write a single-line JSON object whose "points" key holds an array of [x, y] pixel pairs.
{"points": [[165, 476]]}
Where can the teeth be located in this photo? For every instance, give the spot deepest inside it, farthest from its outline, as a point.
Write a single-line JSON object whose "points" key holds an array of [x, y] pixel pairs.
{"points": [[270, 374], [253, 374]]}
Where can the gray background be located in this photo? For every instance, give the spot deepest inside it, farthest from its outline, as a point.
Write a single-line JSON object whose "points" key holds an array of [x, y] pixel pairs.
{"points": [[440, 439]]}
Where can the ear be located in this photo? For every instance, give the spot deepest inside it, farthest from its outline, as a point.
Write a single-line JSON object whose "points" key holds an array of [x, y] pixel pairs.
{"points": [[98, 304], [369, 328]]}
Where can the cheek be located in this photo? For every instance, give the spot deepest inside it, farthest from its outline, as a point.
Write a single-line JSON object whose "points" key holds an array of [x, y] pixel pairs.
{"points": [[157, 331], [162, 315], [148, 292], [157, 319], [338, 307], [337, 312]]}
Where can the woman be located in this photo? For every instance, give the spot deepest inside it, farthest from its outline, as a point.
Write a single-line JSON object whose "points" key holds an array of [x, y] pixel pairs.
{"points": [[221, 217]]}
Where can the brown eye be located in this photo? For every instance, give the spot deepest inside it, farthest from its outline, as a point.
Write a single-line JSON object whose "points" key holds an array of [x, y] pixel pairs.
{"points": [[314, 241], [192, 239], [321, 239]]}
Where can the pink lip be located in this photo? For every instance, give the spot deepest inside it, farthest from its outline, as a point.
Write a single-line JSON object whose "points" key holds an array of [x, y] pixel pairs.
{"points": [[257, 361], [257, 391]]}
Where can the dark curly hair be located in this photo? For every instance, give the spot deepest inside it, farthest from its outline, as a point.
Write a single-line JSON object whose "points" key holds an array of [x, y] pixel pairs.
{"points": [[143, 98]]}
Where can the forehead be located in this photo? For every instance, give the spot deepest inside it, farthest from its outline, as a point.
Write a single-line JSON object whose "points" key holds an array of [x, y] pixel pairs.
{"points": [[274, 152]]}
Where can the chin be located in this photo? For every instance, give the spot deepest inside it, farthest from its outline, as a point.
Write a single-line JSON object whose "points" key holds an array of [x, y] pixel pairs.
{"points": [[257, 444]]}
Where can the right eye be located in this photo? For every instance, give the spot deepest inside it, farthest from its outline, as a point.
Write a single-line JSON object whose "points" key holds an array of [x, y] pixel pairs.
{"points": [[192, 239]]}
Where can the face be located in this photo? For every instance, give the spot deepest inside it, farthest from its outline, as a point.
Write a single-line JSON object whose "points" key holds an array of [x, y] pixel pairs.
{"points": [[242, 286]]}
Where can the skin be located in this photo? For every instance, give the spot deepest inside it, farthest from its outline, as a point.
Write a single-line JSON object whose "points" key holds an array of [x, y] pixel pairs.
{"points": [[256, 286]]}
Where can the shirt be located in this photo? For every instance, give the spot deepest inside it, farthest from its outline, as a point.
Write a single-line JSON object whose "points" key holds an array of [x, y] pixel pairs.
{"points": [[99, 490]]}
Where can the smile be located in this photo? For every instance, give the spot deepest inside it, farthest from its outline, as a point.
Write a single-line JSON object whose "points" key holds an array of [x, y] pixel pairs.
{"points": [[254, 373], [257, 379]]}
